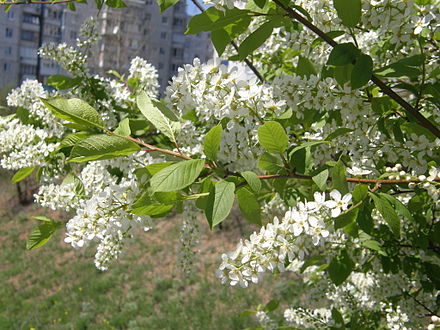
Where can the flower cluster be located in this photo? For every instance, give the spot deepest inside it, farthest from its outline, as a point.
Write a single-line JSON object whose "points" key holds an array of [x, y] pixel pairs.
{"points": [[301, 229]]}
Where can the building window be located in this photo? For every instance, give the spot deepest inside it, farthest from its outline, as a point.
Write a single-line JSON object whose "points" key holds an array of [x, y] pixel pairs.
{"points": [[32, 19], [8, 50], [177, 52], [10, 15], [28, 35], [7, 67], [177, 22], [8, 33], [163, 35], [164, 19], [28, 69], [174, 67], [161, 51], [72, 34], [160, 65]]}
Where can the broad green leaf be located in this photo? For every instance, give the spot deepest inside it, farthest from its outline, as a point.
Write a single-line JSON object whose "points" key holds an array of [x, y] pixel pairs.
{"points": [[61, 82], [41, 234], [359, 192], [249, 205], [305, 68], [362, 71], [388, 213], [152, 209], [42, 218], [123, 128], [346, 218], [398, 206], [177, 176], [270, 163], [312, 261], [342, 74], [152, 169], [340, 268], [99, 147], [22, 173], [343, 54], [74, 110], [349, 11], [220, 39], [213, 19], [273, 137], [321, 179], [220, 201], [252, 180], [165, 4], [255, 40], [72, 139], [211, 142], [164, 121], [339, 177], [337, 317]]}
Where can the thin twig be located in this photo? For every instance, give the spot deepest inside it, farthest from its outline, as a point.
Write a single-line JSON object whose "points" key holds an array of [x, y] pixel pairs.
{"points": [[248, 62], [384, 88]]}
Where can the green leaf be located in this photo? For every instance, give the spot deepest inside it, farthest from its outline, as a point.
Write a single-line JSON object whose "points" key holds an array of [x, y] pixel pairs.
{"points": [[321, 179], [388, 213], [74, 110], [270, 163], [22, 173], [338, 132], [271, 306], [42, 218], [123, 128], [177, 176], [220, 201], [164, 121], [273, 137], [213, 19], [152, 169], [255, 40], [152, 209], [165, 4], [343, 54], [398, 206], [359, 192], [72, 139], [41, 234], [78, 186], [61, 82], [337, 317], [115, 3], [99, 147], [362, 71], [249, 205], [307, 145], [305, 67], [339, 177], [211, 142], [349, 11], [346, 218], [252, 180], [220, 39], [342, 74], [340, 268]]}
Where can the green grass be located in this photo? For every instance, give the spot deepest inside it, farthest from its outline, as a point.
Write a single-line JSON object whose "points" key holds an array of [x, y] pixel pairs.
{"points": [[56, 287]]}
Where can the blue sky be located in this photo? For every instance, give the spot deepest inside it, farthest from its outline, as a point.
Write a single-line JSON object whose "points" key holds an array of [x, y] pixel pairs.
{"points": [[191, 9]]}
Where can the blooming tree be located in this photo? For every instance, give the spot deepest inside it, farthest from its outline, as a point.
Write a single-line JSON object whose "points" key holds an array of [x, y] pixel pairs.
{"points": [[322, 127]]}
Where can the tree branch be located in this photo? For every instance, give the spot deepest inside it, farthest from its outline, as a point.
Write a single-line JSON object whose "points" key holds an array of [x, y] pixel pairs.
{"points": [[248, 62], [383, 87]]}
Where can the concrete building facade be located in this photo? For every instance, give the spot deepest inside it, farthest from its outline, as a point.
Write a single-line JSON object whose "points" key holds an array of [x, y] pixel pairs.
{"points": [[138, 30]]}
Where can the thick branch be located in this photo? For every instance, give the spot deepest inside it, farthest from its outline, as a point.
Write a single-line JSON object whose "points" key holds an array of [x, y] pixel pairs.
{"points": [[248, 63], [383, 87]]}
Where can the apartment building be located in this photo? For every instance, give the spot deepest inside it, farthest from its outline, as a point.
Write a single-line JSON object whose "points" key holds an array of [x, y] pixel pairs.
{"points": [[21, 36], [138, 30]]}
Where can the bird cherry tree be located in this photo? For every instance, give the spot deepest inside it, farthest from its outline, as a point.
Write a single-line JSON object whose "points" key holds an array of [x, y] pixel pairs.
{"points": [[322, 127]]}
